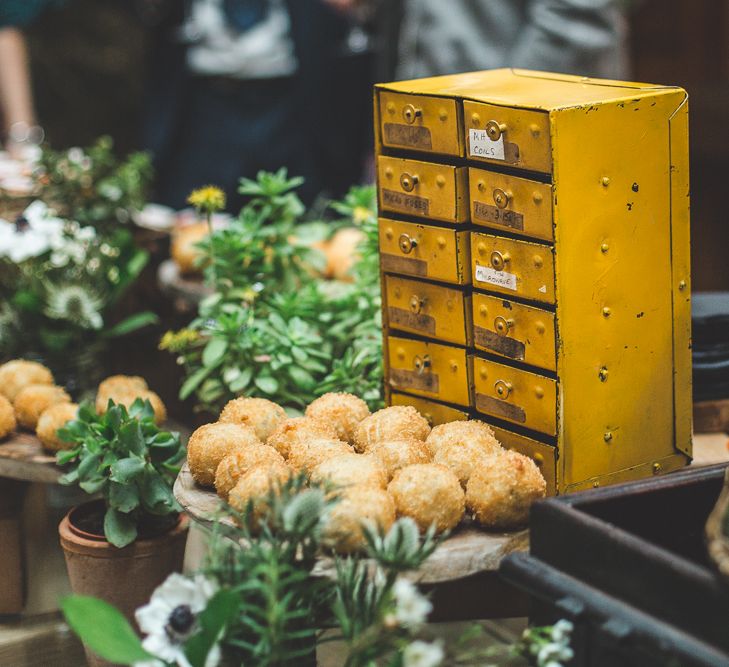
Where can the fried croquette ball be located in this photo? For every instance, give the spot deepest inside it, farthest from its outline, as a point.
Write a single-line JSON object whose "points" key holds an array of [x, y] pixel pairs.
{"points": [[50, 421], [394, 423], [127, 395], [237, 464], [262, 415], [358, 505], [296, 430], [463, 431], [396, 454], [351, 470], [428, 494], [32, 400], [502, 489], [254, 488], [210, 444], [463, 457], [8, 422], [342, 411], [121, 383], [341, 253], [19, 373], [183, 247], [309, 453]]}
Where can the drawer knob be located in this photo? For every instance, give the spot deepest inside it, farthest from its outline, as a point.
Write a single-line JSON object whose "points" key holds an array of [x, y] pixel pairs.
{"points": [[495, 129], [422, 364], [410, 113], [503, 389], [406, 243], [408, 181], [499, 260], [416, 303], [502, 325], [501, 198]]}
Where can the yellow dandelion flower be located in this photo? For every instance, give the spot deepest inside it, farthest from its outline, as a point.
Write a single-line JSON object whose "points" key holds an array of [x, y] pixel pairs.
{"points": [[208, 199], [361, 213]]}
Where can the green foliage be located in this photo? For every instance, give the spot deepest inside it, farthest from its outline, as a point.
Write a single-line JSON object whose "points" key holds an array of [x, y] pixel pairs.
{"points": [[272, 329], [92, 186], [126, 458]]}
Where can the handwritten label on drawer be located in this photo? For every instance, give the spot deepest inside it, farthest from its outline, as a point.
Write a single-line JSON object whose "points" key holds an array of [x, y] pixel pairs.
{"points": [[509, 347], [405, 318], [481, 145], [404, 379], [408, 135], [497, 216], [407, 265], [404, 202], [497, 408], [485, 274]]}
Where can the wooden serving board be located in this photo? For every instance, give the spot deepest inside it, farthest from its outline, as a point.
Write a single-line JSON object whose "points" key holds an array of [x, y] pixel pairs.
{"points": [[469, 550], [23, 458]]}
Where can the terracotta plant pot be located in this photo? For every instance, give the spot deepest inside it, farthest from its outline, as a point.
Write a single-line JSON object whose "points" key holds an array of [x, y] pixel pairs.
{"points": [[123, 577]]}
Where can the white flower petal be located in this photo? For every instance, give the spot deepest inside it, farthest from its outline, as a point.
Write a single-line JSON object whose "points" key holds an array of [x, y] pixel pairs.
{"points": [[152, 617]]}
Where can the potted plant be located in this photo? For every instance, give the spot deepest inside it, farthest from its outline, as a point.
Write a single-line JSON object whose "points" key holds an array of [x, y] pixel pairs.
{"points": [[122, 544]]}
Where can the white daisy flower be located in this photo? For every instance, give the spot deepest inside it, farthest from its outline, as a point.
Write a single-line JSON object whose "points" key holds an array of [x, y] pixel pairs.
{"points": [[411, 608], [170, 619], [562, 630], [422, 654]]}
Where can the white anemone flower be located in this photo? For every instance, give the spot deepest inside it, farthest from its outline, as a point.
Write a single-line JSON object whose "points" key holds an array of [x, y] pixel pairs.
{"points": [[75, 304], [422, 654], [33, 235], [170, 619], [411, 608]]}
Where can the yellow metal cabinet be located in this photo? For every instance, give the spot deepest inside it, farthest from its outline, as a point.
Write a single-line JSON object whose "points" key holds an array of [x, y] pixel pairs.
{"points": [[429, 310], [429, 369], [435, 413], [578, 211], [422, 189], [436, 253]]}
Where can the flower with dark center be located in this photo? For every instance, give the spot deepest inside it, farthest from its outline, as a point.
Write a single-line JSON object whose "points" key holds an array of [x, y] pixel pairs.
{"points": [[21, 224], [180, 621]]}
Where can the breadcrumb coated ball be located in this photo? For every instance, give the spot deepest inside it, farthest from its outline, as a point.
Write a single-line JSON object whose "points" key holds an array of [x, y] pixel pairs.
{"points": [[8, 422], [210, 444], [502, 489], [183, 247], [32, 400], [463, 431], [462, 457], [342, 411], [19, 373], [255, 487], [237, 464], [396, 454], [126, 395], [429, 494], [393, 423], [116, 382], [296, 430], [50, 421], [262, 415], [358, 505], [351, 470], [307, 454]]}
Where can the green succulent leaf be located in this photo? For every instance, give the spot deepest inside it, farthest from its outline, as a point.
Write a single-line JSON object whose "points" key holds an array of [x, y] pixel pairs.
{"points": [[120, 529]]}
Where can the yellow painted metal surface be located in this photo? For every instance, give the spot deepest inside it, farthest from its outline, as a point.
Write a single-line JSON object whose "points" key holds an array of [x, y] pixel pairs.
{"points": [[515, 395], [429, 369], [425, 251], [510, 203], [514, 331], [436, 413], [422, 189], [545, 456], [430, 310], [420, 123], [512, 267], [578, 211]]}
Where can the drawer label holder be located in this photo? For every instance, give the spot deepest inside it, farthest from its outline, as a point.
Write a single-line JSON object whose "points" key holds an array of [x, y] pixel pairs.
{"points": [[493, 406], [406, 318], [416, 136], [485, 274], [405, 202], [407, 265], [497, 216], [405, 379], [509, 347]]}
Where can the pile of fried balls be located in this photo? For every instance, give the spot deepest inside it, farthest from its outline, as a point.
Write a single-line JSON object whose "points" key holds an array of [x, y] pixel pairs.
{"points": [[30, 399], [383, 465]]}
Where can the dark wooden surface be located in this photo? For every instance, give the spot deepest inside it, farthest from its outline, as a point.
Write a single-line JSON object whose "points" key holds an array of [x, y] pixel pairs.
{"points": [[23, 458]]}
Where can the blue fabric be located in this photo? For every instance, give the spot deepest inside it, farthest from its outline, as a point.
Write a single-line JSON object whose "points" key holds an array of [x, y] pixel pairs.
{"points": [[19, 13], [244, 14]]}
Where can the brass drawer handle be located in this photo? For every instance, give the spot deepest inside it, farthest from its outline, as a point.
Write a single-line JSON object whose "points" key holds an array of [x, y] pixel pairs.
{"points": [[410, 113], [416, 303], [422, 364], [503, 389], [495, 129], [501, 198], [499, 260], [408, 181], [503, 325], [407, 243]]}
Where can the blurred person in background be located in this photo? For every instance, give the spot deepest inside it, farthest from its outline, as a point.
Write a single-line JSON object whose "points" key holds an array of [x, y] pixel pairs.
{"points": [[238, 86]]}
